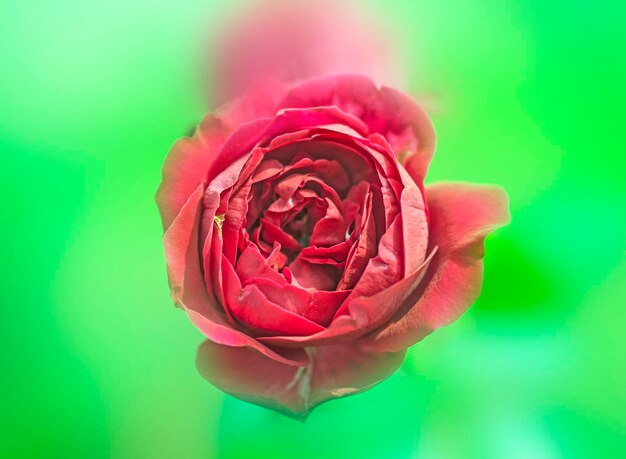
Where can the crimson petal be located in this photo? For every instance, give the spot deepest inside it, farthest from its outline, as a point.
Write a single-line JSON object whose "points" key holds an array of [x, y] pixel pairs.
{"points": [[461, 216]]}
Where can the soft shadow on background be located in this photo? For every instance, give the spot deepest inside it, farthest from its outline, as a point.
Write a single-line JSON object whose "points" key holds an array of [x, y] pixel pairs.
{"points": [[97, 362]]}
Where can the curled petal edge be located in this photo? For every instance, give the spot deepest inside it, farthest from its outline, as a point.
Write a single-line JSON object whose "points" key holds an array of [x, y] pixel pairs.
{"points": [[461, 216]]}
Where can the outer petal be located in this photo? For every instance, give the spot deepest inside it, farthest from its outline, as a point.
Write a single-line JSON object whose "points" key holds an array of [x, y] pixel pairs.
{"points": [[409, 131], [333, 372], [190, 159], [461, 216], [187, 165], [180, 243], [386, 111]]}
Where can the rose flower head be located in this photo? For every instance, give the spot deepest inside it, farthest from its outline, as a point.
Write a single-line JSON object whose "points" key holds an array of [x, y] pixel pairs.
{"points": [[301, 241], [299, 236]]}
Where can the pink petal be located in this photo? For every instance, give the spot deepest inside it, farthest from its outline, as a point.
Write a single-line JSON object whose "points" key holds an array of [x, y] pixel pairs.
{"points": [[409, 131], [461, 216], [186, 166], [414, 227], [180, 243], [272, 233]]}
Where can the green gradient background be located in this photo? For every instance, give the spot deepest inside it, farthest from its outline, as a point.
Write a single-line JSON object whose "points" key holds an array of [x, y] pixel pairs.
{"points": [[96, 362]]}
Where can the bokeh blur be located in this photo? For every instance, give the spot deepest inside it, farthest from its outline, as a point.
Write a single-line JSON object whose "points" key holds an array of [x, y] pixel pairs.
{"points": [[97, 362]]}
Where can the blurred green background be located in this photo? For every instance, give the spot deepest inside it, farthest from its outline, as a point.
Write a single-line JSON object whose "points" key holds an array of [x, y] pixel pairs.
{"points": [[96, 361]]}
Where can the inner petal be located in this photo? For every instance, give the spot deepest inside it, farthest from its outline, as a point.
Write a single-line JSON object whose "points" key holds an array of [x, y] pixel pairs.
{"points": [[309, 203]]}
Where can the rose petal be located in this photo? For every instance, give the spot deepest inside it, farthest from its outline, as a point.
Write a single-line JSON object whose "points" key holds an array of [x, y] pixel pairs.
{"points": [[321, 309], [264, 130], [330, 229], [461, 216], [362, 314], [186, 166], [333, 372], [252, 308], [414, 227], [310, 275], [387, 267], [387, 111], [180, 243], [251, 264], [227, 338], [292, 298], [187, 284], [363, 250], [233, 220], [409, 131]]}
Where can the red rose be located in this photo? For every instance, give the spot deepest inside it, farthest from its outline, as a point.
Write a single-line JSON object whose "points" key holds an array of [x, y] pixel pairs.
{"points": [[300, 239]]}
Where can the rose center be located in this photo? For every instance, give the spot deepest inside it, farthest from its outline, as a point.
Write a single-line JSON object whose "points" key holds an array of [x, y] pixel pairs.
{"points": [[299, 228]]}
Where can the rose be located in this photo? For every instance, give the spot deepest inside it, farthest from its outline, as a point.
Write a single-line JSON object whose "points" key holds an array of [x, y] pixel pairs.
{"points": [[301, 241]]}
